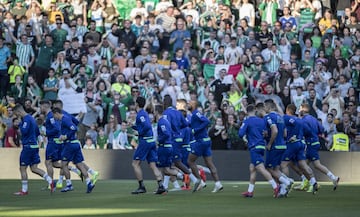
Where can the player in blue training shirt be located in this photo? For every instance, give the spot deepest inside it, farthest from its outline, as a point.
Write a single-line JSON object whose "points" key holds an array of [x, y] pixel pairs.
{"points": [[146, 149], [94, 174], [71, 150], [30, 152], [165, 150], [253, 128], [276, 146], [295, 147], [178, 124], [202, 148], [312, 130]]}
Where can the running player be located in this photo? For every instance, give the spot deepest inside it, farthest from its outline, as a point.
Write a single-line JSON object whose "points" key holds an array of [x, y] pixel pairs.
{"points": [[146, 149], [165, 150], [295, 147], [94, 174], [276, 146], [71, 150], [178, 124], [253, 128], [30, 153], [202, 148], [312, 130]]}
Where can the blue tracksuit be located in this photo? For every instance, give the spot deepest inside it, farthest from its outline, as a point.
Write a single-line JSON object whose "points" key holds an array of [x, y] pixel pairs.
{"points": [[202, 144], [274, 155], [29, 133], [53, 148], [312, 129], [147, 147], [72, 147], [253, 127], [165, 143], [294, 135]]}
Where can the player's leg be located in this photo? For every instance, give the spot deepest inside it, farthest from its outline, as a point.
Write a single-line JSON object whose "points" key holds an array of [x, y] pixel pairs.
{"points": [[266, 174], [210, 164], [326, 171], [250, 191], [24, 181]]}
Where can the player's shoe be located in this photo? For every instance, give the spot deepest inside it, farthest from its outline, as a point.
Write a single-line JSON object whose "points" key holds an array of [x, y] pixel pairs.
{"points": [[52, 187], [289, 187], [59, 185], [67, 188], [202, 174], [336, 183], [186, 188], [276, 191], [247, 194], [161, 190], [178, 189], [186, 179], [90, 187], [199, 185], [217, 188], [95, 177], [21, 193], [315, 188], [304, 186], [140, 190]]}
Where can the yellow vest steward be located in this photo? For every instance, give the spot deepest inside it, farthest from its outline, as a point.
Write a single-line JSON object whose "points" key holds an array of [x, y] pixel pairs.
{"points": [[340, 142]]}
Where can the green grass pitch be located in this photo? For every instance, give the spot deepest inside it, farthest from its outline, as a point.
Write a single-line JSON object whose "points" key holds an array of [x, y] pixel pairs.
{"points": [[113, 198]]}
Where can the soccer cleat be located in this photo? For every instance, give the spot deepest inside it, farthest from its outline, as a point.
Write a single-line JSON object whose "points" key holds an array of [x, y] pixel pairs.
{"points": [[67, 188], [161, 190], [199, 185], [336, 183], [52, 187], [202, 174], [21, 193], [140, 190], [217, 188], [90, 187], [186, 180], [186, 188], [247, 194], [95, 177], [289, 187], [276, 191], [59, 185], [304, 186], [315, 188]]}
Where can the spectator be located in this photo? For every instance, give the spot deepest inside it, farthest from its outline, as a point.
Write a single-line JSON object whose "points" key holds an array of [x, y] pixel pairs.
{"points": [[12, 136], [218, 135]]}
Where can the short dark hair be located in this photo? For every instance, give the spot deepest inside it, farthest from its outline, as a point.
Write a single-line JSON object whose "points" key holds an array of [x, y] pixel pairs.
{"points": [[250, 108], [291, 108], [167, 101], [159, 109], [56, 110], [141, 101]]}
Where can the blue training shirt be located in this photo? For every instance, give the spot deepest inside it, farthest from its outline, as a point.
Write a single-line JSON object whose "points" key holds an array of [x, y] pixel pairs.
{"points": [[253, 127], [52, 126], [311, 129], [143, 125], [199, 124], [164, 131], [176, 120], [68, 128], [29, 131], [294, 128], [274, 118]]}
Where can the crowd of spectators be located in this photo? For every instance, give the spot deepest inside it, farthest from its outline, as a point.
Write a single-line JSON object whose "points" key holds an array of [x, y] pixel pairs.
{"points": [[291, 51]]}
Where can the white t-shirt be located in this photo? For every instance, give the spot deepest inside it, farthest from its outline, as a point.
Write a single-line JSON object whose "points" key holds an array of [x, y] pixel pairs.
{"points": [[247, 11]]}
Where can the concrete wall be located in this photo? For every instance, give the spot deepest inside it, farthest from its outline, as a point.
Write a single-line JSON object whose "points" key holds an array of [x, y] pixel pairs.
{"points": [[232, 165]]}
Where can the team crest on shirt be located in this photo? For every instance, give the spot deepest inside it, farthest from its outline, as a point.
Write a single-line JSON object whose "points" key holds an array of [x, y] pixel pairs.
{"points": [[52, 120], [24, 125], [142, 119]]}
